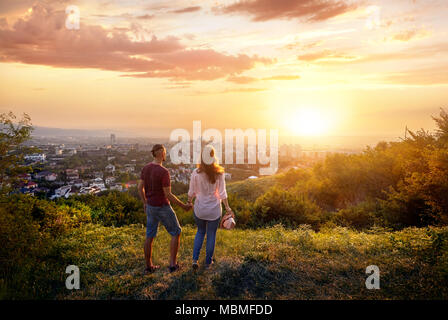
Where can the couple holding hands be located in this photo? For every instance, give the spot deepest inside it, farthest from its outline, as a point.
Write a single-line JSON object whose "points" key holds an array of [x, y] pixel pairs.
{"points": [[207, 187]]}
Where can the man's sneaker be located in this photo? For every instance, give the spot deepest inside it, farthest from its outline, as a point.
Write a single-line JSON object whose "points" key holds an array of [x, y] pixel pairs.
{"points": [[174, 268], [195, 265]]}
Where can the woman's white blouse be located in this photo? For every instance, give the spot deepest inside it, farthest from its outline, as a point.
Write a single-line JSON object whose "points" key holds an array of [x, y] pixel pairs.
{"points": [[207, 205]]}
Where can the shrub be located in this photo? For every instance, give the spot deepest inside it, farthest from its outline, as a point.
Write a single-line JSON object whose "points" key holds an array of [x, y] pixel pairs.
{"points": [[113, 208], [362, 216], [29, 228], [286, 207]]}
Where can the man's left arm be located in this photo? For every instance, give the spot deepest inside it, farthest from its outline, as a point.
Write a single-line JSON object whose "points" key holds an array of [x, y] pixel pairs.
{"points": [[141, 192]]}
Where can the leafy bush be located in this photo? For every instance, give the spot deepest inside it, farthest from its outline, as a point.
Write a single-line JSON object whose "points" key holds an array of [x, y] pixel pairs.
{"points": [[362, 216], [282, 206], [113, 208], [29, 228]]}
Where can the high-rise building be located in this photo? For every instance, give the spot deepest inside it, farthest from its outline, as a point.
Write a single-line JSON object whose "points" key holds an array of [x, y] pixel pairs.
{"points": [[112, 139]]}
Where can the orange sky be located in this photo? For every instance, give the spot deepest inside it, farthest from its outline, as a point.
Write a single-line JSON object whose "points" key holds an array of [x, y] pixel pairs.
{"points": [[147, 67]]}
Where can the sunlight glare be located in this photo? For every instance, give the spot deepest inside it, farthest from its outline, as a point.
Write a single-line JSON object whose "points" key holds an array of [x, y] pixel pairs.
{"points": [[307, 122]]}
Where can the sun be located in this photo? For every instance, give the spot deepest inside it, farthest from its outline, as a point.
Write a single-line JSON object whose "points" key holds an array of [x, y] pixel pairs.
{"points": [[307, 122]]}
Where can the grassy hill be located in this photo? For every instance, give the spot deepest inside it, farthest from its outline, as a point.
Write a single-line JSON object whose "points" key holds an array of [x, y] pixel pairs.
{"points": [[273, 263], [251, 189]]}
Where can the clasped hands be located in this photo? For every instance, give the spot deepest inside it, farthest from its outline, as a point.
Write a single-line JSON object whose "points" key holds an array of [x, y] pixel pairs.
{"points": [[188, 206]]}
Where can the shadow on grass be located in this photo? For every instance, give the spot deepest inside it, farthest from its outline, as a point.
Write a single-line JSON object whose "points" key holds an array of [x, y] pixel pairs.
{"points": [[256, 278], [181, 286]]}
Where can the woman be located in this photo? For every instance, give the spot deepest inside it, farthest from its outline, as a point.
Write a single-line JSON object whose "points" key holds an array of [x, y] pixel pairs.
{"points": [[208, 186]]}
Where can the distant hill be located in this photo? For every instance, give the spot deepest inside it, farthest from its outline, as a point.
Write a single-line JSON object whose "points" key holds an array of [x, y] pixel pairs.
{"points": [[251, 189], [59, 132]]}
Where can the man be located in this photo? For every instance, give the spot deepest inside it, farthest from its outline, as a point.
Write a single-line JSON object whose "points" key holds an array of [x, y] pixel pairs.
{"points": [[155, 191]]}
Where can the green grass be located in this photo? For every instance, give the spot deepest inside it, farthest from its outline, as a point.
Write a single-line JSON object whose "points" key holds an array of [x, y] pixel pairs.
{"points": [[251, 189], [272, 263]]}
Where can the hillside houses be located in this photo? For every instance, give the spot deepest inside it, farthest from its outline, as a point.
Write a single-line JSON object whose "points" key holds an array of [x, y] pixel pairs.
{"points": [[46, 175], [72, 174], [109, 180]]}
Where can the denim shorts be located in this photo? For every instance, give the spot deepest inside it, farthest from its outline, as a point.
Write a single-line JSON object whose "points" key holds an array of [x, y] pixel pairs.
{"points": [[164, 215]]}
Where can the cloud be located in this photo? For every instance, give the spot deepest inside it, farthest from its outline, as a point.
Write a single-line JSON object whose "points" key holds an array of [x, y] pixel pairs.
{"points": [[145, 16], [228, 90], [41, 38], [334, 57], [125, 16], [188, 9], [303, 46], [241, 79], [312, 10], [408, 35], [424, 76], [7, 7], [326, 55], [203, 64], [282, 77], [246, 90], [246, 80]]}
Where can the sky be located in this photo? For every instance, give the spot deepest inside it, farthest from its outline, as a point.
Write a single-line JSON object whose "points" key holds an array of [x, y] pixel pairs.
{"points": [[304, 67]]}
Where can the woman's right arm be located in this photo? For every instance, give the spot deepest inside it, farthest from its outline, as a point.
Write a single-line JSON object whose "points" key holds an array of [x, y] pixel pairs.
{"points": [[228, 209], [223, 194]]}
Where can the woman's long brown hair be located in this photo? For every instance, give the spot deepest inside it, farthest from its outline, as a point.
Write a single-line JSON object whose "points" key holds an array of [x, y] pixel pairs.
{"points": [[212, 170]]}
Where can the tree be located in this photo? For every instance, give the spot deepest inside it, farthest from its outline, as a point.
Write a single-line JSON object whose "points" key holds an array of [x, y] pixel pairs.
{"points": [[13, 134], [442, 124]]}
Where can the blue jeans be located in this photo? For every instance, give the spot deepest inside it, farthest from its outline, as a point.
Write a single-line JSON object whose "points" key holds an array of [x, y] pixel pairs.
{"points": [[209, 228]]}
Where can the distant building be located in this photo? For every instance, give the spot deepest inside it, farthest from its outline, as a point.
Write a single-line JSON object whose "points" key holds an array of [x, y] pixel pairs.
{"points": [[98, 174], [40, 175], [109, 180], [82, 169], [99, 185], [70, 151], [110, 168], [29, 187], [36, 157], [79, 183], [25, 177], [117, 187], [48, 176], [293, 151], [112, 139], [62, 192], [89, 190], [72, 174], [95, 152], [51, 176], [313, 154], [131, 184], [129, 168]]}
